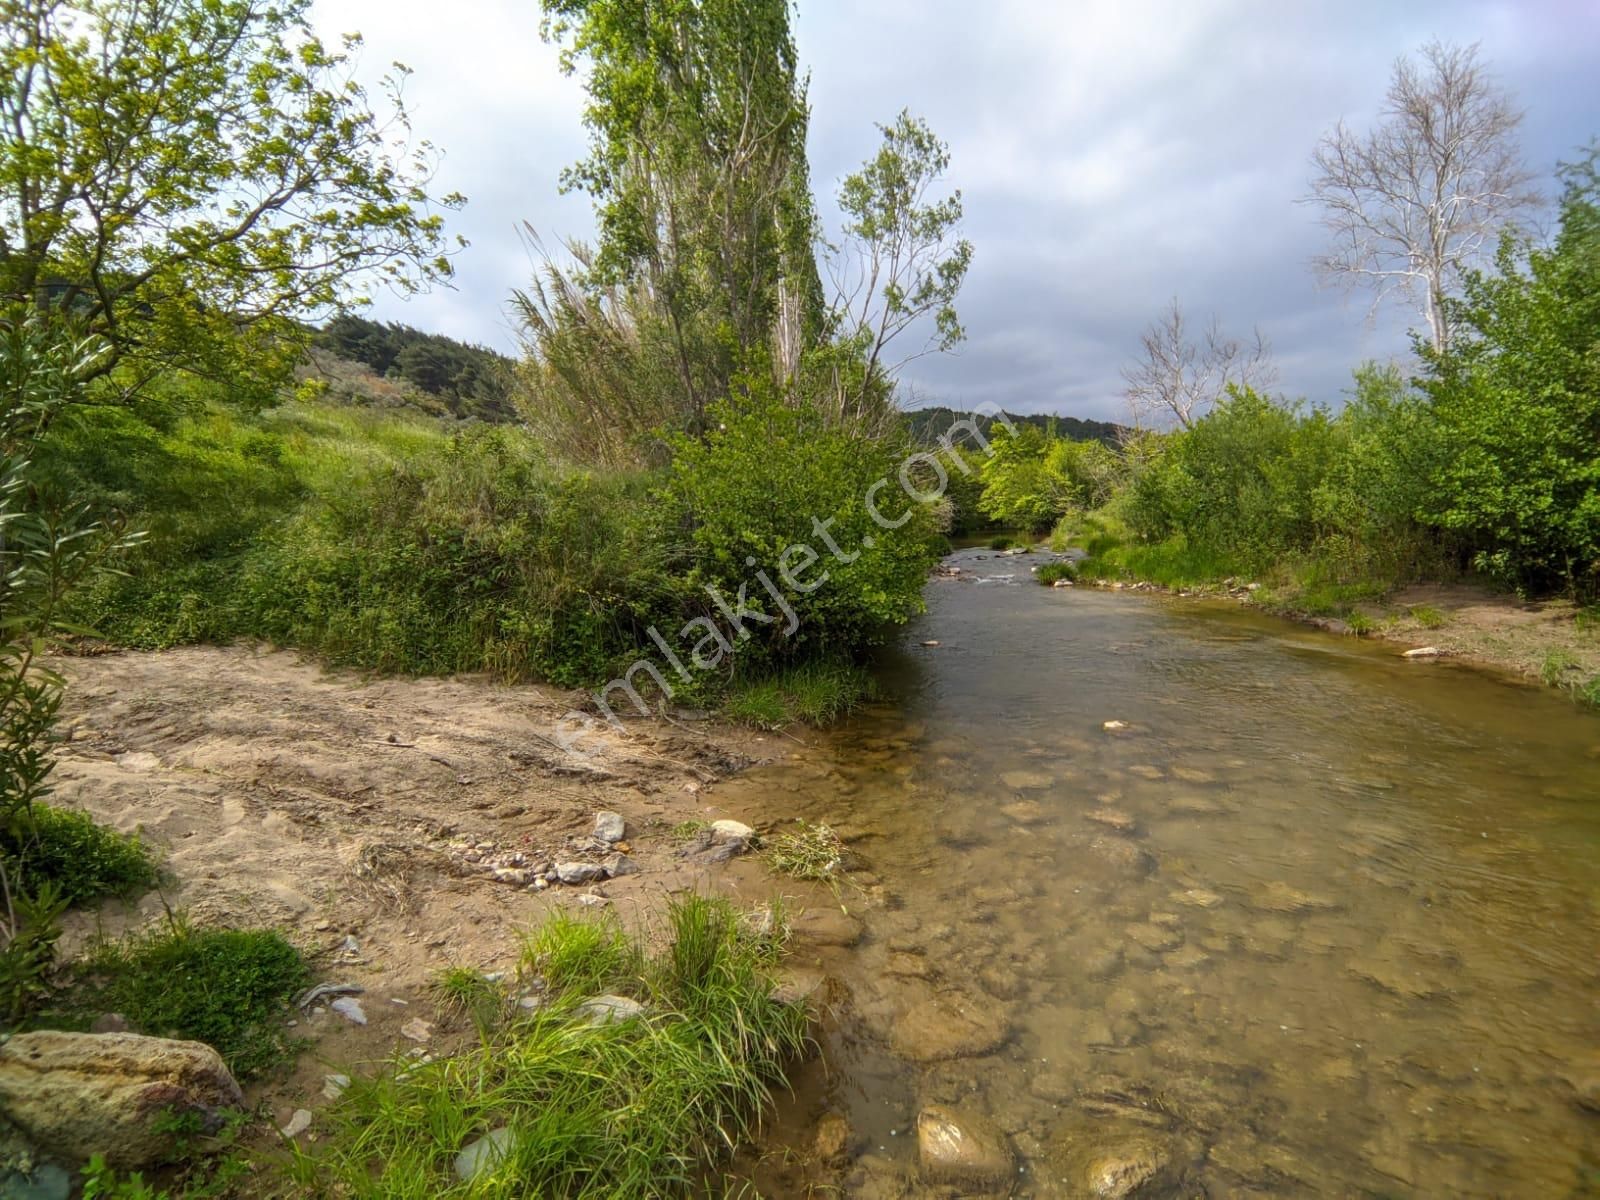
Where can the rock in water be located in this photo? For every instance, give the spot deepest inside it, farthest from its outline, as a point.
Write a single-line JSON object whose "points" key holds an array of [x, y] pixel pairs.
{"points": [[483, 1155], [962, 1149], [832, 1139], [78, 1094], [609, 827]]}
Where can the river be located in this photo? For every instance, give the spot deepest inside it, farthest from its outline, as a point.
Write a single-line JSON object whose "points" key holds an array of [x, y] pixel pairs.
{"points": [[1313, 920]]}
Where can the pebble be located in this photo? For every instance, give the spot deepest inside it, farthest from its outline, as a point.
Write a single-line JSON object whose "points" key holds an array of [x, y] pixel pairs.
{"points": [[607, 1010], [333, 1086], [417, 1029], [578, 872], [298, 1123], [350, 1009]]}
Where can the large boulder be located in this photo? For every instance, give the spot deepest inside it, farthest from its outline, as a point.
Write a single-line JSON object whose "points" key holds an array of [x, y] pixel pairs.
{"points": [[963, 1149], [77, 1094]]}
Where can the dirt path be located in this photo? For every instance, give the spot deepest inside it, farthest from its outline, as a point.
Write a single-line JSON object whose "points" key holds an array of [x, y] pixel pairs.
{"points": [[367, 818]]}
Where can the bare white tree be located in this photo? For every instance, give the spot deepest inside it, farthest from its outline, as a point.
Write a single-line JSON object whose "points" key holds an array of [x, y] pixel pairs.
{"points": [[1178, 378], [1424, 194]]}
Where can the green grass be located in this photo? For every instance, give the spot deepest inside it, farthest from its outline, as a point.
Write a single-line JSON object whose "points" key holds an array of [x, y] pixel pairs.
{"points": [[1587, 619], [1427, 616], [1050, 572], [581, 955], [1556, 667], [820, 692], [461, 991], [641, 1107], [812, 852], [1360, 624], [229, 988], [84, 860]]}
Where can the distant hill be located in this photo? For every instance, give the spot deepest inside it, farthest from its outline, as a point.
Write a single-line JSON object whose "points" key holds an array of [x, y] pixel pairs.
{"points": [[464, 380], [927, 424]]}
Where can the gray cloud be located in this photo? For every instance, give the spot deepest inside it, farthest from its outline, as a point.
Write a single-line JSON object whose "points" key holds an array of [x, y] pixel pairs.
{"points": [[1111, 155]]}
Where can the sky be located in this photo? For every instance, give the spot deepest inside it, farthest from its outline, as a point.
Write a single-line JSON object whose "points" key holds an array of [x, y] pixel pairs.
{"points": [[1111, 157]]}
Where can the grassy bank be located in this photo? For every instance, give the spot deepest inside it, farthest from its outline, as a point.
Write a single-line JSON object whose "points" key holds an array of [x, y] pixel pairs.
{"points": [[639, 1092], [394, 541], [1553, 640]]}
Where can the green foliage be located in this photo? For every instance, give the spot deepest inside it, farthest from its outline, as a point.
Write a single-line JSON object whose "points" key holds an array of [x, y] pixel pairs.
{"points": [[229, 988], [582, 955], [628, 1108], [466, 992], [84, 861], [186, 178], [47, 860], [1054, 571], [697, 118], [756, 486], [1517, 402], [1032, 478], [1556, 667]]}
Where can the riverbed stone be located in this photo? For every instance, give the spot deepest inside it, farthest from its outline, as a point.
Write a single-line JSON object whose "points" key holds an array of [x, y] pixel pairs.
{"points": [[579, 872], [1120, 852], [610, 1010], [1197, 897], [1155, 937], [732, 831], [1112, 818], [78, 1094], [827, 926], [1280, 897], [609, 827], [1112, 1159], [832, 1140], [1024, 780], [962, 1148], [1024, 812], [946, 1027]]}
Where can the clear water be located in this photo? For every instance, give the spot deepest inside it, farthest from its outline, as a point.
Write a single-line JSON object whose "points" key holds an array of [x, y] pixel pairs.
{"points": [[1323, 921]]}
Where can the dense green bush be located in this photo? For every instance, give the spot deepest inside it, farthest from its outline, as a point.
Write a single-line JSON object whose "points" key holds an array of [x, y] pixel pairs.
{"points": [[1517, 402], [228, 988], [83, 860], [758, 484]]}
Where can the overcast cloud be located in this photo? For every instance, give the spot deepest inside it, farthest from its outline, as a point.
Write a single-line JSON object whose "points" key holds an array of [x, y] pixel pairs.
{"points": [[1111, 155]]}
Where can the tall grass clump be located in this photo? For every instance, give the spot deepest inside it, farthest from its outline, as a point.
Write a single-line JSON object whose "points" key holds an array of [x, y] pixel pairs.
{"points": [[590, 1105]]}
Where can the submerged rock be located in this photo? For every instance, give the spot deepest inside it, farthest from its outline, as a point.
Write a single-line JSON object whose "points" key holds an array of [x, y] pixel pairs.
{"points": [[941, 1028], [78, 1094], [832, 1141], [1120, 852], [963, 1149]]}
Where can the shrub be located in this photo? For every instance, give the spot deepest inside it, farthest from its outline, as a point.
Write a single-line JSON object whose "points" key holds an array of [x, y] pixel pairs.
{"points": [[83, 860], [229, 988], [1053, 571], [755, 487]]}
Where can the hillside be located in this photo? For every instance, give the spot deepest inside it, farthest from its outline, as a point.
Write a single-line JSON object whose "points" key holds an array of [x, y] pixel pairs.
{"points": [[927, 424]]}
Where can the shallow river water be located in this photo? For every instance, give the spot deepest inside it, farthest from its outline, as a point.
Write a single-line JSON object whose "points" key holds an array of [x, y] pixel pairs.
{"points": [[1318, 921]]}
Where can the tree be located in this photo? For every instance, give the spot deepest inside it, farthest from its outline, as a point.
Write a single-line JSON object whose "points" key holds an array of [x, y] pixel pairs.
{"points": [[1176, 378], [192, 179], [901, 259], [697, 117], [1517, 404], [1416, 201]]}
